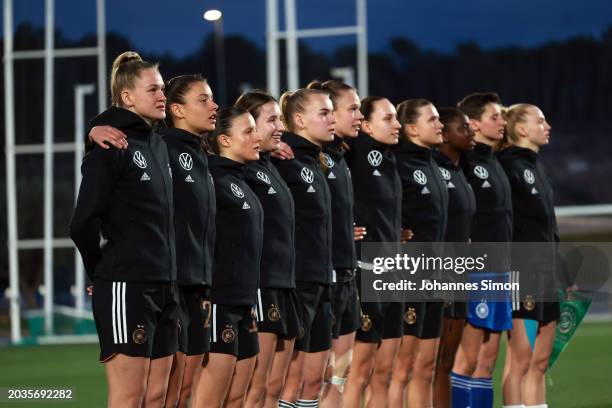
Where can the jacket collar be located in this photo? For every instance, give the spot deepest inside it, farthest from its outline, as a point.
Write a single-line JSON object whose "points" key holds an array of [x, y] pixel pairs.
{"points": [[182, 135], [519, 152], [367, 140], [216, 162], [482, 149], [408, 147], [443, 159], [301, 146], [125, 120]]}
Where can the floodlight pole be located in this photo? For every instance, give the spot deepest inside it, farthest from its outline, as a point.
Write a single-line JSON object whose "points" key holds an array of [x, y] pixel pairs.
{"points": [[11, 188], [362, 48], [291, 43], [101, 49], [272, 47], [80, 92], [48, 164]]}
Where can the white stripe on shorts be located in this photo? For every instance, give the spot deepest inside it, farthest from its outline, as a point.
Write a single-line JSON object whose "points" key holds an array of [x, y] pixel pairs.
{"points": [[114, 313], [119, 313], [214, 323], [516, 295], [124, 312], [259, 310]]}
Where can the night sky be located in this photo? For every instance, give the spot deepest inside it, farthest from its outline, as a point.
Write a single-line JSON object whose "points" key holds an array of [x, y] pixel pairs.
{"points": [[177, 26]]}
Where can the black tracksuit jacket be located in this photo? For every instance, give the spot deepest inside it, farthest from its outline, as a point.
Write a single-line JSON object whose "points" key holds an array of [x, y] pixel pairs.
{"points": [[461, 200], [123, 221], [532, 196], [534, 213], [278, 255], [194, 207], [313, 226], [377, 188], [341, 186], [492, 221], [239, 235], [424, 192]]}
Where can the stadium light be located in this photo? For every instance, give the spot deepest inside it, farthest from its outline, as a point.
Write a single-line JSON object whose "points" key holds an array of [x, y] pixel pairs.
{"points": [[212, 15]]}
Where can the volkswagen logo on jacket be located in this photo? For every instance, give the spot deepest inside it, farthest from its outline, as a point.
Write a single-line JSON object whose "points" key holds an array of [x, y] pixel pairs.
{"points": [[420, 177], [481, 172], [186, 161], [307, 175], [445, 173], [328, 160], [237, 191], [139, 160], [263, 177], [529, 176], [375, 158]]}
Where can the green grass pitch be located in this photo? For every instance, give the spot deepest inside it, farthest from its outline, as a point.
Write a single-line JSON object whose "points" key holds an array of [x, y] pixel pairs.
{"points": [[581, 378]]}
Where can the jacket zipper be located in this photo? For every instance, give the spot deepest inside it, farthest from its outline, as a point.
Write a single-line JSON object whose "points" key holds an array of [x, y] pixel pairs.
{"points": [[170, 216]]}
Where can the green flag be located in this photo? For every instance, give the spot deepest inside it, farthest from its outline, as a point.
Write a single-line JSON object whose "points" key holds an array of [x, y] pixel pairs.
{"points": [[573, 307]]}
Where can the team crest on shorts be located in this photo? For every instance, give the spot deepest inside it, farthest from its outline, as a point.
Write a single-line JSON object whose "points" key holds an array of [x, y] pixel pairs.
{"points": [[482, 310], [140, 335], [273, 313], [301, 333], [366, 323], [410, 317], [228, 335], [529, 303]]}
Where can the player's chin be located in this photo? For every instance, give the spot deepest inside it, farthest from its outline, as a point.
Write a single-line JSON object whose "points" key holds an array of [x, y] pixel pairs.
{"points": [[158, 115]]}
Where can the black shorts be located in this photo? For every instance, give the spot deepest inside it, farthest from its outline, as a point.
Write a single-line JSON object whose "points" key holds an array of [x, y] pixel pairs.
{"points": [[455, 310], [543, 312], [194, 319], [316, 310], [278, 312], [424, 319], [234, 331], [346, 308], [380, 320], [136, 319]]}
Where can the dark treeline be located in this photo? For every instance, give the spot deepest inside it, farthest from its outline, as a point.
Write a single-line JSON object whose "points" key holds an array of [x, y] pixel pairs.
{"points": [[569, 80]]}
